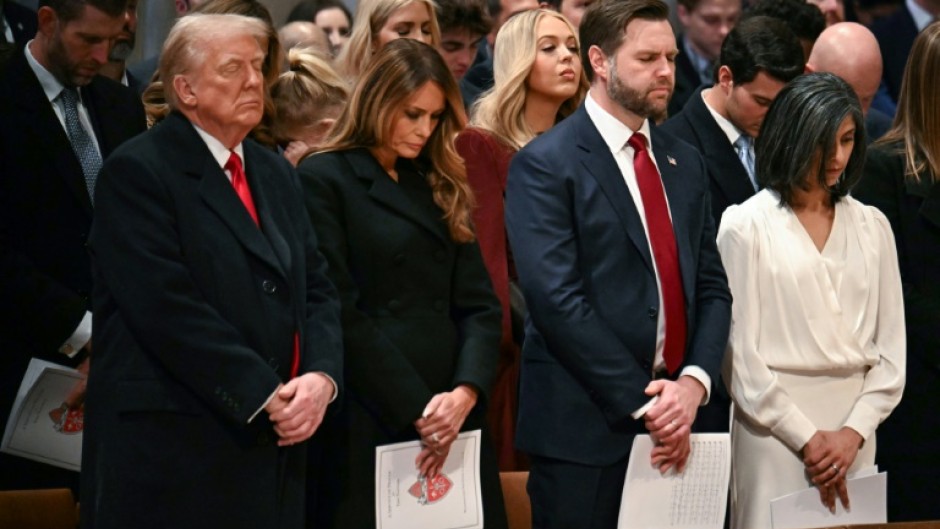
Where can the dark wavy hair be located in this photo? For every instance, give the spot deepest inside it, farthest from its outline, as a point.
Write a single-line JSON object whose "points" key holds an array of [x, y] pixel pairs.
{"points": [[802, 121]]}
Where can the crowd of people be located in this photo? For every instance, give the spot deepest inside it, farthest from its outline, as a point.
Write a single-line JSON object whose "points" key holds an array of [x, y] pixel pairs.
{"points": [[562, 224]]}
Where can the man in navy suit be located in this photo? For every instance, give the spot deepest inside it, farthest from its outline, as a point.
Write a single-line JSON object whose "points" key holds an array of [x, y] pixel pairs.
{"points": [[759, 56], [615, 248]]}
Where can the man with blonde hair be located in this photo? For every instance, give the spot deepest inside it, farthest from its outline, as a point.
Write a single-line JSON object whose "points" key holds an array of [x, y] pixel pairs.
{"points": [[218, 345]]}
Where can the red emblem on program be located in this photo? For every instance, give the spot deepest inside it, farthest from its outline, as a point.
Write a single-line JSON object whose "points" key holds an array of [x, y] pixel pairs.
{"points": [[67, 421], [431, 491]]}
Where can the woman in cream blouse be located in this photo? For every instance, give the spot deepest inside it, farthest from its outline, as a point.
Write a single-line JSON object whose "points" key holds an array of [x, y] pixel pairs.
{"points": [[816, 354]]}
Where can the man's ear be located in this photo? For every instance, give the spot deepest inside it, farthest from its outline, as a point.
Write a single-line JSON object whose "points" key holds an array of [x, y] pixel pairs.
{"points": [[725, 79], [184, 91], [48, 21], [598, 62]]}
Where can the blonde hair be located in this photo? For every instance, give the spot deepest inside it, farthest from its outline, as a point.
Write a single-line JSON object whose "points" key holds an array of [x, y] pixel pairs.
{"points": [[501, 110], [917, 123], [371, 16], [304, 93], [400, 69]]}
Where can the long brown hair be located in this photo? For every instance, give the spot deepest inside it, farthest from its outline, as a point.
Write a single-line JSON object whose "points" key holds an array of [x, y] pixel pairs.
{"points": [[400, 69], [917, 123]]}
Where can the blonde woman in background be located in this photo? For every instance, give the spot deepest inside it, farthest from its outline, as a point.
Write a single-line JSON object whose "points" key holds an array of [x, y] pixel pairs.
{"points": [[379, 22], [307, 100], [538, 81]]}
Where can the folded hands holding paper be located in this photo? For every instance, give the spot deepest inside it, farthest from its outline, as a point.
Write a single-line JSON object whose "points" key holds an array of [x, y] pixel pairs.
{"points": [[828, 455], [439, 425]]}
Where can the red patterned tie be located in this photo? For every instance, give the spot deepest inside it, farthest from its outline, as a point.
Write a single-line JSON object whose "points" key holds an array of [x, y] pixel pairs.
{"points": [[240, 183], [663, 244]]}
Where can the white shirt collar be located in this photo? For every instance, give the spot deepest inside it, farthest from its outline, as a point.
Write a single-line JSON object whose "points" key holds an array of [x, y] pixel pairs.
{"points": [[922, 18], [732, 132], [613, 131], [50, 85], [219, 151]]}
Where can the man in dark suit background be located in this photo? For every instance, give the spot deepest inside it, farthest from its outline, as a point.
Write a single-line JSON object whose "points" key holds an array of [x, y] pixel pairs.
{"points": [[757, 58], [629, 304], [705, 24], [218, 343], [59, 120], [896, 35]]}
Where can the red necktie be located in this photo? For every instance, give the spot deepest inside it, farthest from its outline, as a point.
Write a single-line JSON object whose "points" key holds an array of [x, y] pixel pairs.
{"points": [[240, 183], [663, 244]]}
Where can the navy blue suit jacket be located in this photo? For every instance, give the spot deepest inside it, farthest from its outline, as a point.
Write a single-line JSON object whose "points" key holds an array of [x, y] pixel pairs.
{"points": [[727, 178], [585, 268]]}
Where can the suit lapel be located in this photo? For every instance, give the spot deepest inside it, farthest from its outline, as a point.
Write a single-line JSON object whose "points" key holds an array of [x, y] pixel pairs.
{"points": [[46, 125], [598, 161], [387, 192], [270, 216], [671, 174], [731, 175], [217, 192]]}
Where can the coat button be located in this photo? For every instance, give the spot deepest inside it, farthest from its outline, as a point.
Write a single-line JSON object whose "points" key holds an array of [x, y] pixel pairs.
{"points": [[647, 365], [398, 259], [394, 304], [439, 304], [653, 313], [273, 363], [268, 286], [440, 255]]}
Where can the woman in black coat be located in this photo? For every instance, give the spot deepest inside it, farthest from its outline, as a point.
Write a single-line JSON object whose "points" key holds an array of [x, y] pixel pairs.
{"points": [[901, 179], [391, 206]]}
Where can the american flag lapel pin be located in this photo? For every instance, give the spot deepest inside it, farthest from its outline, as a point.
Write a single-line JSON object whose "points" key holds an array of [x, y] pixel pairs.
{"points": [[671, 160]]}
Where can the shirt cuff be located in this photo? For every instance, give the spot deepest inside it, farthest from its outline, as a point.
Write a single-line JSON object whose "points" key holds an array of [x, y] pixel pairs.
{"points": [[271, 396], [273, 393], [641, 411], [79, 338], [699, 374]]}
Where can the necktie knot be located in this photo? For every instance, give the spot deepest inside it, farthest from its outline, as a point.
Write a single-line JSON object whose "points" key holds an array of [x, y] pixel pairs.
{"points": [[240, 183], [69, 95], [745, 146], [637, 141], [234, 164]]}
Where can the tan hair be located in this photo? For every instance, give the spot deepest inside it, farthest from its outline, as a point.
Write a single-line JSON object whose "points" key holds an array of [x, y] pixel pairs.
{"points": [[371, 16], [501, 110], [400, 69], [917, 122], [305, 92]]}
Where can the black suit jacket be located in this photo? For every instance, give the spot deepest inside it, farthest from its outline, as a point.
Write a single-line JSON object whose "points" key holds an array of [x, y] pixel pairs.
{"points": [[22, 20], [728, 182], [45, 216], [196, 309], [913, 209], [419, 316], [895, 35], [687, 80], [587, 274]]}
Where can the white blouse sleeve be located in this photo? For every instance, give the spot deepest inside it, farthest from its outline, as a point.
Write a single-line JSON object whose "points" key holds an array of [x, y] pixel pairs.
{"points": [[752, 384], [884, 382]]}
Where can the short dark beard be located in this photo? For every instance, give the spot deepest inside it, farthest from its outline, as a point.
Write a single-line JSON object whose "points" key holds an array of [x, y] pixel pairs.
{"points": [[631, 100]]}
